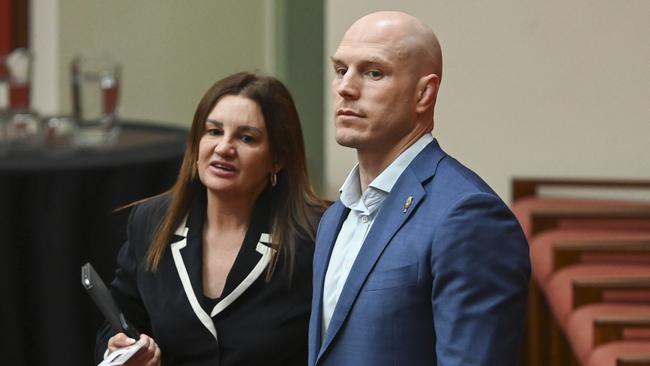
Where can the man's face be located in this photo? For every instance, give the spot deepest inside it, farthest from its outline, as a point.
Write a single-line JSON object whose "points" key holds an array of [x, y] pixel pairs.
{"points": [[374, 91]]}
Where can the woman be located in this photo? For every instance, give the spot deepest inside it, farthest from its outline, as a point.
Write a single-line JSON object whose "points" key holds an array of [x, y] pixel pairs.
{"points": [[217, 271]]}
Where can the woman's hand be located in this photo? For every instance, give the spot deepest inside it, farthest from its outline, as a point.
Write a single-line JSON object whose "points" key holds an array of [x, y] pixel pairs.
{"points": [[148, 355]]}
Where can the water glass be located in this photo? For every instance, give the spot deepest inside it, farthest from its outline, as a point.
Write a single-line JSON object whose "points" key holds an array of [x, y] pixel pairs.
{"points": [[95, 83]]}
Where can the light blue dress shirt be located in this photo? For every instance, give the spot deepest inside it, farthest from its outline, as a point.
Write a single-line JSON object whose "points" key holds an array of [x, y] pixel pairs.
{"points": [[364, 208]]}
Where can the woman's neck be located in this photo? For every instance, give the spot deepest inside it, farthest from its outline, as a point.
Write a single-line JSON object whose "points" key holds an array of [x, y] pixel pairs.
{"points": [[228, 213]]}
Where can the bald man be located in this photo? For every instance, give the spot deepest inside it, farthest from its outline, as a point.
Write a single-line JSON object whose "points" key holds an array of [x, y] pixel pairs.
{"points": [[419, 262]]}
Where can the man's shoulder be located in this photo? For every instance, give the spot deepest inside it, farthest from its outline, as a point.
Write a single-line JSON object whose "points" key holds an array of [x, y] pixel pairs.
{"points": [[434, 166], [464, 178], [454, 182]]}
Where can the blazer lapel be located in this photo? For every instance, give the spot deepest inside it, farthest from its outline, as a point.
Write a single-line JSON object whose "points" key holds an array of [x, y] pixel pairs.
{"points": [[253, 258], [189, 257], [327, 233], [182, 254], [263, 247], [400, 204], [388, 221]]}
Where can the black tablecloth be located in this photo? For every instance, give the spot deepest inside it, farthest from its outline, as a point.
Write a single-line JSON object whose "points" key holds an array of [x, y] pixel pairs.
{"points": [[56, 213]]}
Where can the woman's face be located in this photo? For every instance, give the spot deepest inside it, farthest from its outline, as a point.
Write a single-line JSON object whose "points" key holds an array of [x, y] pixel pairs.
{"points": [[234, 151]]}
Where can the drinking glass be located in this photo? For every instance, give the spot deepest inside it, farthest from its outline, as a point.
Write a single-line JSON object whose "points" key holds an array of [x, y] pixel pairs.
{"points": [[22, 126], [95, 82]]}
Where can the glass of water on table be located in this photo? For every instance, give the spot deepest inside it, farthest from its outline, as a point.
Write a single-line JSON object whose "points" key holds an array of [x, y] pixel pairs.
{"points": [[95, 83]]}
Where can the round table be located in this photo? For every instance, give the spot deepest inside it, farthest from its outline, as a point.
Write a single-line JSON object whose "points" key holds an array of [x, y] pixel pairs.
{"points": [[57, 211]]}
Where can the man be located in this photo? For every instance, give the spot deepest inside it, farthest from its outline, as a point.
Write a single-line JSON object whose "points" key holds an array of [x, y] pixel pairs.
{"points": [[419, 262]]}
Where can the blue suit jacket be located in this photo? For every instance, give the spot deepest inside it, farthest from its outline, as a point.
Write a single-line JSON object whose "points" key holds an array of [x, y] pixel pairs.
{"points": [[441, 282]]}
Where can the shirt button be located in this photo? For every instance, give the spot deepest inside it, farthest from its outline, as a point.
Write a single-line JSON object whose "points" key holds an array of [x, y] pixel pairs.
{"points": [[364, 219]]}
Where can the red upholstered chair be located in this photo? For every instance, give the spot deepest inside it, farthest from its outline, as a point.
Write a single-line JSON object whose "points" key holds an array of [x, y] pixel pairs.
{"points": [[571, 219], [594, 325], [576, 286], [614, 271], [523, 187], [561, 256], [619, 300], [618, 331], [537, 213], [597, 289], [553, 250], [621, 354]]}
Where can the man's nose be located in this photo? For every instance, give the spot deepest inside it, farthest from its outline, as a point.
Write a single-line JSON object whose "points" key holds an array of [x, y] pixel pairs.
{"points": [[348, 86]]}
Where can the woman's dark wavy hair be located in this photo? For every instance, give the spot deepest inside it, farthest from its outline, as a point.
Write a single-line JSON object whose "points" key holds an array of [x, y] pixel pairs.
{"points": [[295, 209]]}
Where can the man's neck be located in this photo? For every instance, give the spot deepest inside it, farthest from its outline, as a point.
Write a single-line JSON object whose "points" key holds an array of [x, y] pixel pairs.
{"points": [[373, 162]]}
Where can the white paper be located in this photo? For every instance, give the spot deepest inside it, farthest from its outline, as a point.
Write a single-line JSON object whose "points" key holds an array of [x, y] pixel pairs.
{"points": [[120, 356]]}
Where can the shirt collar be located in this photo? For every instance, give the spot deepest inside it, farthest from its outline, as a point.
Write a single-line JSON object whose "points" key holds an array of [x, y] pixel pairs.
{"points": [[384, 182], [387, 178], [351, 188]]}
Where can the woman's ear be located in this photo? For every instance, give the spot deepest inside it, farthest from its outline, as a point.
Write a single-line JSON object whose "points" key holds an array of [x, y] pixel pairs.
{"points": [[277, 166], [427, 89]]}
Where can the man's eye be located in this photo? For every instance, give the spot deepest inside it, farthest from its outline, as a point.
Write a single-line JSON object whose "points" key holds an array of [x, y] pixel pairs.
{"points": [[340, 71], [375, 74]]}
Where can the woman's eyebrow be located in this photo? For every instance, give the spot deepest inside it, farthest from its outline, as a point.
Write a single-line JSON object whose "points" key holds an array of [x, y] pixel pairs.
{"points": [[250, 129]]}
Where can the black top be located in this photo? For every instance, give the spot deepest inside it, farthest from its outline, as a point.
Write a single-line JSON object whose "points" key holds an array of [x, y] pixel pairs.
{"points": [[254, 322]]}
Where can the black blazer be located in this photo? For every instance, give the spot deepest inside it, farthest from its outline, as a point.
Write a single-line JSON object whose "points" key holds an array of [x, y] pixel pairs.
{"points": [[255, 322]]}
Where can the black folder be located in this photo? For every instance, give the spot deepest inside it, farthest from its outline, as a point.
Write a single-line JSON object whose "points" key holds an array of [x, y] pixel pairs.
{"points": [[104, 301]]}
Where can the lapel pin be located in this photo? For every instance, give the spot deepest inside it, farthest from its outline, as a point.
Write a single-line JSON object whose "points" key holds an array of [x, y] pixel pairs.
{"points": [[407, 203]]}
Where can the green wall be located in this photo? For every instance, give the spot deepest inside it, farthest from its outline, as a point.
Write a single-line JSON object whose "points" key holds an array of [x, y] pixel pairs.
{"points": [[170, 51], [299, 62]]}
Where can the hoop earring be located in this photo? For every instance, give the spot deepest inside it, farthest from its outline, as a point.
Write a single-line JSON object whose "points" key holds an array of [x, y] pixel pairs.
{"points": [[274, 179]]}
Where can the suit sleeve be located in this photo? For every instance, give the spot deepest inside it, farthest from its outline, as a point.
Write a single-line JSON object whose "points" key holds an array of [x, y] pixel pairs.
{"points": [[480, 269], [124, 287]]}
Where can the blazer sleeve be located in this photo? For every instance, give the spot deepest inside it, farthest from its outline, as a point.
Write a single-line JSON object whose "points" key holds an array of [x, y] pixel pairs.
{"points": [[124, 287], [480, 270]]}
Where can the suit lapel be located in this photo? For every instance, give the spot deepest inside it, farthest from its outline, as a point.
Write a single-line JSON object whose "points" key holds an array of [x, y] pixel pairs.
{"points": [[187, 254], [263, 247], [327, 233], [183, 255], [401, 203], [388, 221]]}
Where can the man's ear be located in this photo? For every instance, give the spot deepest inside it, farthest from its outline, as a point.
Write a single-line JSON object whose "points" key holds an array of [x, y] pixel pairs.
{"points": [[427, 89]]}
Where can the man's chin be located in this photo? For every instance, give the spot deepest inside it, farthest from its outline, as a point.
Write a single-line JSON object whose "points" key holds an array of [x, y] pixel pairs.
{"points": [[347, 141]]}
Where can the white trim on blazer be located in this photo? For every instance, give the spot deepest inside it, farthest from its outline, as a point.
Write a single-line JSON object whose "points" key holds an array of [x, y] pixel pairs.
{"points": [[203, 316]]}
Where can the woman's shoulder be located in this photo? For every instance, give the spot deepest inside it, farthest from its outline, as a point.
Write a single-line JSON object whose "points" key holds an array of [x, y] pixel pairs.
{"points": [[154, 206], [304, 249], [150, 211], [144, 219]]}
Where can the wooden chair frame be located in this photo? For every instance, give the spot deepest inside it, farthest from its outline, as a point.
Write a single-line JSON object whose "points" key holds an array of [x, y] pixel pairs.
{"points": [[569, 252], [529, 186], [611, 328], [592, 290], [633, 360]]}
